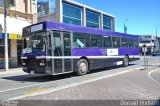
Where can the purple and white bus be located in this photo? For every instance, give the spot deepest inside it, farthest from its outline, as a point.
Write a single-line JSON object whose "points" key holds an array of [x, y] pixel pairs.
{"points": [[57, 48]]}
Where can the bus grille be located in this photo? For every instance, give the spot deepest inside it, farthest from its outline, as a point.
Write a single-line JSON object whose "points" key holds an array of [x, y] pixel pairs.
{"points": [[32, 62]]}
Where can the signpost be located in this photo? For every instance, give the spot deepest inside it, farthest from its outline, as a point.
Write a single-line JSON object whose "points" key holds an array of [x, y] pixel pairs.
{"points": [[144, 48], [6, 38]]}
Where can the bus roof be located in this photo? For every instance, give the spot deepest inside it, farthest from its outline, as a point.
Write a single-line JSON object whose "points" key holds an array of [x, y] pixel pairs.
{"points": [[76, 28]]}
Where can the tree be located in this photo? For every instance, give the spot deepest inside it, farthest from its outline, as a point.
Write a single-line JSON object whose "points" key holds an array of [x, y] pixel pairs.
{"points": [[10, 3]]}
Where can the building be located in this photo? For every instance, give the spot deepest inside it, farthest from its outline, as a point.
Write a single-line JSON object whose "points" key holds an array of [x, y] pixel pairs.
{"points": [[20, 13], [69, 11], [152, 43]]}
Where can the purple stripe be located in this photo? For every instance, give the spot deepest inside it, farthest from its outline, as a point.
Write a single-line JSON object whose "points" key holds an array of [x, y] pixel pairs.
{"points": [[64, 26], [103, 52]]}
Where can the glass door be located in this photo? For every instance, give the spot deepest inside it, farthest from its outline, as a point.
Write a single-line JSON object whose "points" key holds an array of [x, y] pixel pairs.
{"points": [[67, 51], [62, 52], [58, 67]]}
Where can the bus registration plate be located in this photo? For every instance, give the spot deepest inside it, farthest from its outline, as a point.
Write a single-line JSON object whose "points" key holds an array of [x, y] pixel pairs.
{"points": [[31, 72]]}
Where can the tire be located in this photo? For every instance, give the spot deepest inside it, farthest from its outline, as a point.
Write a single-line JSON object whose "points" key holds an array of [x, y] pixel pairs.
{"points": [[125, 61], [82, 67]]}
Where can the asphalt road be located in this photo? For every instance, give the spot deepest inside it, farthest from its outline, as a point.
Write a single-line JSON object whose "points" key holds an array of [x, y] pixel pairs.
{"points": [[114, 84]]}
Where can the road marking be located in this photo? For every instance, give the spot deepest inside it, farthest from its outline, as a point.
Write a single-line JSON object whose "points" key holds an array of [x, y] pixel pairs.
{"points": [[34, 91], [72, 85], [23, 87], [149, 74]]}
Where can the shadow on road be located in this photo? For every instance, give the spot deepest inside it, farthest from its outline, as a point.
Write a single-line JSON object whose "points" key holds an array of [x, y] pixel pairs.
{"points": [[47, 78]]}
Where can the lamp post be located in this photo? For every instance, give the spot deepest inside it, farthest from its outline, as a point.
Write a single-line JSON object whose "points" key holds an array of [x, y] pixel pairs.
{"points": [[125, 27], [6, 37], [157, 29], [156, 42]]}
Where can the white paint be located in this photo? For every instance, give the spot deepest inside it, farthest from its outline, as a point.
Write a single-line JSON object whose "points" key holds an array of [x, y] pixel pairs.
{"points": [[23, 57], [77, 57], [119, 62], [149, 74], [71, 85], [112, 52]]}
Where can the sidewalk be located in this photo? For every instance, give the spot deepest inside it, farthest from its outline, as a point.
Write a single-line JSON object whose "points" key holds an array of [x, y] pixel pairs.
{"points": [[10, 71]]}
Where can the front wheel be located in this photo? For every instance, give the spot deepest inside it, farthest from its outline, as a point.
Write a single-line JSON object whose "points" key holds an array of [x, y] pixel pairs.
{"points": [[82, 67], [125, 61]]}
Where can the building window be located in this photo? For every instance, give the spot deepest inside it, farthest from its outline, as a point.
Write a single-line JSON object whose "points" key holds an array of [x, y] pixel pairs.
{"points": [[2, 48], [107, 22], [72, 14], [1, 3], [45, 7], [92, 19]]}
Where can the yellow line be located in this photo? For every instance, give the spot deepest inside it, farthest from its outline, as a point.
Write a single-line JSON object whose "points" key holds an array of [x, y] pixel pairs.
{"points": [[34, 91], [85, 78]]}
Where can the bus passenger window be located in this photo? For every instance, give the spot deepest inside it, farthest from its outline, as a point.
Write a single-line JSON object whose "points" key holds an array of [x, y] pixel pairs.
{"points": [[130, 43], [81, 40], [96, 41], [124, 43], [135, 43], [107, 42], [116, 42]]}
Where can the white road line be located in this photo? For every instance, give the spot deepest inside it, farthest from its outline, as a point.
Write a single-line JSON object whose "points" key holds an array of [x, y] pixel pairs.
{"points": [[149, 74], [72, 85]]}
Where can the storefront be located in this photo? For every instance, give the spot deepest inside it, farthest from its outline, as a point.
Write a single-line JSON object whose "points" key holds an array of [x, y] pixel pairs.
{"points": [[14, 49], [14, 32]]}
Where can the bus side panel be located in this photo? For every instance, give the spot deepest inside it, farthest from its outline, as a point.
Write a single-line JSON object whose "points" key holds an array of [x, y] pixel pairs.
{"points": [[75, 67], [102, 63]]}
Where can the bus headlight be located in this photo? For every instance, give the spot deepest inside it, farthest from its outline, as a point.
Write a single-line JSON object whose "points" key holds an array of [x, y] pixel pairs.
{"points": [[42, 63], [23, 62]]}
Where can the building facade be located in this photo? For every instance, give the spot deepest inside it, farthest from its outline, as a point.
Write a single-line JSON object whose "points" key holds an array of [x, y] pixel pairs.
{"points": [[68, 11], [151, 41], [20, 13]]}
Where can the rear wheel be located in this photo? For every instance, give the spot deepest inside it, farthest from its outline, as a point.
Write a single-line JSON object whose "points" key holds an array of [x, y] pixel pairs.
{"points": [[125, 61], [82, 67]]}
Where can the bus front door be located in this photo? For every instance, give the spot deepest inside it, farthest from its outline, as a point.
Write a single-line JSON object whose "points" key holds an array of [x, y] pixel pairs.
{"points": [[62, 61]]}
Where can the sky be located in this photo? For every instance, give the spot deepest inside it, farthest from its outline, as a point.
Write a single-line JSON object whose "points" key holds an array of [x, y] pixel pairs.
{"points": [[140, 16]]}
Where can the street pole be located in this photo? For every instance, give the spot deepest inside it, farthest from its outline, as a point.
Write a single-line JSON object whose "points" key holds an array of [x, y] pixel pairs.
{"points": [[156, 41], [5, 37], [125, 28]]}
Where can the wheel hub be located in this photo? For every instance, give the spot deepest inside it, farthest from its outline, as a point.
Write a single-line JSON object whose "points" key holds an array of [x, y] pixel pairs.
{"points": [[83, 67]]}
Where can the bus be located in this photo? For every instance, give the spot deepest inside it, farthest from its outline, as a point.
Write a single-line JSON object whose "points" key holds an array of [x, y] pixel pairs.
{"points": [[57, 48]]}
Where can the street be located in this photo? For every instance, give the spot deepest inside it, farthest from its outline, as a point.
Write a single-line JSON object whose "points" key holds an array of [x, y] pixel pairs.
{"points": [[116, 83]]}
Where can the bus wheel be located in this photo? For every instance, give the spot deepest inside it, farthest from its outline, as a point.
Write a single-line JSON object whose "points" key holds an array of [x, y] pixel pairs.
{"points": [[82, 67], [125, 61]]}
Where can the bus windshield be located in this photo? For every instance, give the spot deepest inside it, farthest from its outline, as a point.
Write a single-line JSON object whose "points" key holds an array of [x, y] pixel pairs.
{"points": [[34, 43]]}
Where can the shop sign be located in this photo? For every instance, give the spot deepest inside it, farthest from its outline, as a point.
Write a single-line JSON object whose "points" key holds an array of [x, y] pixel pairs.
{"points": [[15, 36]]}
